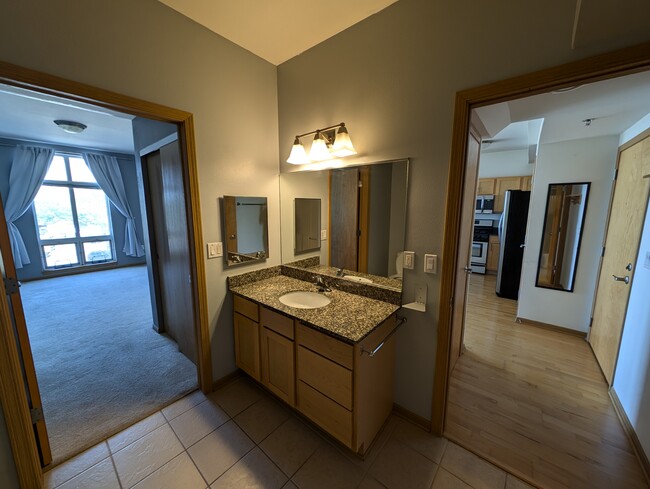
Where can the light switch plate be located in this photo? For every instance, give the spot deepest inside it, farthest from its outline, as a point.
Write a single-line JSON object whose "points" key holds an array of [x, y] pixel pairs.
{"points": [[215, 250], [646, 262], [430, 263], [323, 234], [409, 259]]}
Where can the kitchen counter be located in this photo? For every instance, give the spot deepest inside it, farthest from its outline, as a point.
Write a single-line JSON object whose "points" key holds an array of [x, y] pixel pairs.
{"points": [[349, 317]]}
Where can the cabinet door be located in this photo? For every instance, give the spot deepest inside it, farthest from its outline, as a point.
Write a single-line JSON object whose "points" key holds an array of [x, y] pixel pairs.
{"points": [[527, 182], [486, 186], [278, 372], [503, 184], [247, 345], [493, 257]]}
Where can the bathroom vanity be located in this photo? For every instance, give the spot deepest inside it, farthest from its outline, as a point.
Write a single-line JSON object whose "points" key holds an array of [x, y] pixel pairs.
{"points": [[333, 363]]}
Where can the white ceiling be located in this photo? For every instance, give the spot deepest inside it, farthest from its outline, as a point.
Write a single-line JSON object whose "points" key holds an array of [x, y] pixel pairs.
{"points": [[277, 30], [30, 116], [613, 105]]}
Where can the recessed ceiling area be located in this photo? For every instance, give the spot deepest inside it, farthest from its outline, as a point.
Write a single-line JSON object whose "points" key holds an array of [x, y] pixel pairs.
{"points": [[29, 116], [277, 30], [612, 105]]}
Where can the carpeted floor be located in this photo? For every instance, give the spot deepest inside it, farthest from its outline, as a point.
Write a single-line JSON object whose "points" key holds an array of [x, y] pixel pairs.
{"points": [[99, 363]]}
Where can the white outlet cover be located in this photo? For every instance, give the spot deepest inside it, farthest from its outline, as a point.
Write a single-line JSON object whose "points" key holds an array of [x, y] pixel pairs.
{"points": [[323, 234], [430, 263]]}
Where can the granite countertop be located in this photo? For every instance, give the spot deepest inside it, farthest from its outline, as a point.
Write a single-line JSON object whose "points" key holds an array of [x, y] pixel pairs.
{"points": [[391, 283], [349, 317]]}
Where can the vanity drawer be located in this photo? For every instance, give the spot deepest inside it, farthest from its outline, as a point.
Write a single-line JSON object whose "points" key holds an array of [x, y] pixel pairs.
{"points": [[334, 419], [329, 347], [246, 308], [276, 322], [327, 377]]}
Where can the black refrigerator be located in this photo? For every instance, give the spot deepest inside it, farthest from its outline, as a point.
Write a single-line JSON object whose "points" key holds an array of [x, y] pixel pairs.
{"points": [[512, 236]]}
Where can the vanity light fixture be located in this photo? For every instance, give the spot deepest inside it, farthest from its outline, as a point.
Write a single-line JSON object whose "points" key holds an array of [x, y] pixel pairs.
{"points": [[71, 127], [328, 143]]}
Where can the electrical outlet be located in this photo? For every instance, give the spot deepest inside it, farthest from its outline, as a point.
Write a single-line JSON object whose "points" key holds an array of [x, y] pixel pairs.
{"points": [[646, 263], [215, 250], [430, 263], [409, 259], [421, 294], [323, 234]]}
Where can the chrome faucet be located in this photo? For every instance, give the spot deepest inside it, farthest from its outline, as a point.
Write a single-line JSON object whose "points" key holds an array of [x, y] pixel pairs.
{"points": [[340, 272], [320, 283]]}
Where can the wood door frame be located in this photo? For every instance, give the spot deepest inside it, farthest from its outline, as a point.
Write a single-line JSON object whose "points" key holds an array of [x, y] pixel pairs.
{"points": [[14, 402], [614, 64]]}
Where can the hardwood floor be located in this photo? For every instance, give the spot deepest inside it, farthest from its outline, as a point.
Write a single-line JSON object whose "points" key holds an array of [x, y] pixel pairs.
{"points": [[535, 401]]}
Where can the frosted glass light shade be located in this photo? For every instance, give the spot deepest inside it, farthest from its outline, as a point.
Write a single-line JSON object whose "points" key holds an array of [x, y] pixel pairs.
{"points": [[319, 151], [342, 144], [298, 154]]}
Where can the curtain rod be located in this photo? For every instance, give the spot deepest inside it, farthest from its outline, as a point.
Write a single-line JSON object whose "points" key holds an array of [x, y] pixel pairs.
{"points": [[78, 149]]}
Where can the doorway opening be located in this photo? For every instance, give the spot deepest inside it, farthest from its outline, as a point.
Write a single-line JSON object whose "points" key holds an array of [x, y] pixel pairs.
{"points": [[503, 341], [24, 442]]}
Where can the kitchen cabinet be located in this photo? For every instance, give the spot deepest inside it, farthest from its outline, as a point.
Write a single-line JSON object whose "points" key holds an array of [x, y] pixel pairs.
{"points": [[277, 354], [527, 182], [247, 336], [492, 263], [486, 186], [503, 184]]}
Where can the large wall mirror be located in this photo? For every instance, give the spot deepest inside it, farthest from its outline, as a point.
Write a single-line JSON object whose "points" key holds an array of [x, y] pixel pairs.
{"points": [[245, 224], [363, 215], [566, 206]]}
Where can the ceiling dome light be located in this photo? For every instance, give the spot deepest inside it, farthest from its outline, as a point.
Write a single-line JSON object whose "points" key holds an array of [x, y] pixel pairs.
{"points": [[342, 144], [298, 154], [319, 151], [71, 126]]}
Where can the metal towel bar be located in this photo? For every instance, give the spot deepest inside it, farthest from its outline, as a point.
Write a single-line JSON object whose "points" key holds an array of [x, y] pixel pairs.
{"points": [[372, 353]]}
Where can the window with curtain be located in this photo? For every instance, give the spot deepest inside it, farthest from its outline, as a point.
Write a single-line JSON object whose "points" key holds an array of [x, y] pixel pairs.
{"points": [[73, 216]]}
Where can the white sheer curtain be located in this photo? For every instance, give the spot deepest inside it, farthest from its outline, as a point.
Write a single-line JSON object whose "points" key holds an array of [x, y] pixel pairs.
{"points": [[25, 178], [106, 171]]}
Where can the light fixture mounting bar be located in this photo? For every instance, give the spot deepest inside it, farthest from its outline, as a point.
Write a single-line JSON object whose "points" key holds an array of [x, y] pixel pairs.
{"points": [[325, 129]]}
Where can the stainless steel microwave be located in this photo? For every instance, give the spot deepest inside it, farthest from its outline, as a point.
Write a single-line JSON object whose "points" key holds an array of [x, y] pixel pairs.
{"points": [[485, 204]]}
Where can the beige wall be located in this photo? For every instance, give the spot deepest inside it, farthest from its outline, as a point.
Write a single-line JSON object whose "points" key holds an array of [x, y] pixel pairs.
{"points": [[392, 79], [146, 50]]}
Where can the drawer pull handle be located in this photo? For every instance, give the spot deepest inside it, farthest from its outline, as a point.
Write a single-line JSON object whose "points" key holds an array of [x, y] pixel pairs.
{"points": [[372, 353]]}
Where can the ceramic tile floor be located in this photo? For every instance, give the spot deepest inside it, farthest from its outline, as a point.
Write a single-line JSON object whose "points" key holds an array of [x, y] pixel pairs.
{"points": [[239, 437]]}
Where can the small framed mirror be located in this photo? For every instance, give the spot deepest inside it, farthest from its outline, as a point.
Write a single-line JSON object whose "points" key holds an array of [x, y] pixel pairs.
{"points": [[245, 222], [566, 206], [307, 225]]}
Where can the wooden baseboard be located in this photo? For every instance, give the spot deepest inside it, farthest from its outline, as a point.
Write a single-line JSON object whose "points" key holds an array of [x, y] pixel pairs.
{"points": [[631, 434], [551, 327], [412, 417], [227, 379]]}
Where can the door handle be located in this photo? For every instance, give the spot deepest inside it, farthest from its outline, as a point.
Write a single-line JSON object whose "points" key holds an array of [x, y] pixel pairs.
{"points": [[625, 279], [468, 269]]}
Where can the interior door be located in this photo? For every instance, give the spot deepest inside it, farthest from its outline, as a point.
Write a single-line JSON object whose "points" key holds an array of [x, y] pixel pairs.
{"points": [[344, 214], [22, 337], [465, 248], [172, 246], [621, 247]]}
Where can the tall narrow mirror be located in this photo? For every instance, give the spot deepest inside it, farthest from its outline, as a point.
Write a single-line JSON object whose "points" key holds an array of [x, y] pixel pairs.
{"points": [[566, 205], [245, 224]]}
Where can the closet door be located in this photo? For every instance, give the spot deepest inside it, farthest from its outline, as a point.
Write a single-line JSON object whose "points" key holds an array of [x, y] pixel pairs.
{"points": [[344, 218]]}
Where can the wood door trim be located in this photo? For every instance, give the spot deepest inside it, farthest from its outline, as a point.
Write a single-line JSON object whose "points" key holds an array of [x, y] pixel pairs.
{"points": [[601, 67], [14, 401]]}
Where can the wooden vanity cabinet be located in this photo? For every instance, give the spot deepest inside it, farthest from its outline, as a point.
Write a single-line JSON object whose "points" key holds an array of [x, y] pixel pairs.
{"points": [[247, 336], [277, 354], [347, 393]]}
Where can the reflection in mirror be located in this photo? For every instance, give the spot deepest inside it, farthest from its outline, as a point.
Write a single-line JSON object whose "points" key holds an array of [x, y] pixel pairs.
{"points": [[307, 225], [245, 222], [364, 208], [566, 205]]}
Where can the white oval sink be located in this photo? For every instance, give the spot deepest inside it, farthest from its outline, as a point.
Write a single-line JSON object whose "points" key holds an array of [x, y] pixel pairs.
{"points": [[354, 278], [302, 299]]}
